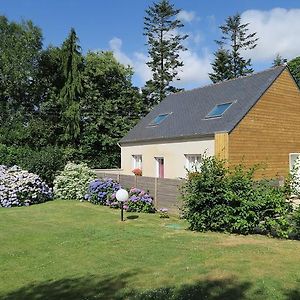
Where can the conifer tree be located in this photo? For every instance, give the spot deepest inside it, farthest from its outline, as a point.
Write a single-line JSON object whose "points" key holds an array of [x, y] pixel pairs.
{"points": [[221, 66], [72, 64], [278, 61], [164, 45], [235, 39]]}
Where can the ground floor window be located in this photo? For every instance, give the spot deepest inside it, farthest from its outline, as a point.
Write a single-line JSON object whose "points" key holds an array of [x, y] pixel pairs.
{"points": [[160, 167], [294, 158], [137, 161], [192, 162]]}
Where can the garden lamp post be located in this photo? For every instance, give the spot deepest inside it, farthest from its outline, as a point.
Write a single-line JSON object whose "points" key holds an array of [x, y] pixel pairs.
{"points": [[122, 196]]}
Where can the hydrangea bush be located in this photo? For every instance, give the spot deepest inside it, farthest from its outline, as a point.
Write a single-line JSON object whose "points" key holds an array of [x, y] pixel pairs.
{"points": [[73, 181], [21, 188], [139, 201], [103, 192]]}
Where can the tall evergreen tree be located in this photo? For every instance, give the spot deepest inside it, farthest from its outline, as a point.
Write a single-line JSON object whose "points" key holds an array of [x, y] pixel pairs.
{"points": [[72, 64], [278, 61], [221, 66], [235, 39], [164, 45]]}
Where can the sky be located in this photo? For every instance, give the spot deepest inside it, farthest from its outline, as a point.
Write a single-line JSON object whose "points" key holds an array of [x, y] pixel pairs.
{"points": [[117, 25]]}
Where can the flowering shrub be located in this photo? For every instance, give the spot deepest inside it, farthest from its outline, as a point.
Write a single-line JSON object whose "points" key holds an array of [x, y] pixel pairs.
{"points": [[72, 182], [163, 213], [21, 188], [103, 192], [139, 201], [137, 172]]}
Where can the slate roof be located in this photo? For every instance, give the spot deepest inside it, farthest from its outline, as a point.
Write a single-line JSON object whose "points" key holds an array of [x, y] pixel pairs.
{"points": [[188, 109]]}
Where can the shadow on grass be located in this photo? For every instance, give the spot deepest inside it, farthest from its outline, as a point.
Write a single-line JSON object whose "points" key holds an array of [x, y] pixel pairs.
{"points": [[115, 287], [133, 217]]}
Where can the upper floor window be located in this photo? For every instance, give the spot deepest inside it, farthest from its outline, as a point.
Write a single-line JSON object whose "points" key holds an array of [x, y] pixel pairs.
{"points": [[137, 161], [218, 110], [159, 119], [193, 162]]}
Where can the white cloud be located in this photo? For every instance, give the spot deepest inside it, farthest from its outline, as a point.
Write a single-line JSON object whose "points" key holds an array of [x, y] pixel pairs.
{"points": [[196, 68], [278, 32], [194, 72], [187, 16], [137, 61], [115, 45]]}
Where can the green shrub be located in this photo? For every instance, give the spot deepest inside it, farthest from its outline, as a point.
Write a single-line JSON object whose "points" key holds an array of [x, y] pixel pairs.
{"points": [[72, 183], [220, 199], [296, 223], [45, 162]]}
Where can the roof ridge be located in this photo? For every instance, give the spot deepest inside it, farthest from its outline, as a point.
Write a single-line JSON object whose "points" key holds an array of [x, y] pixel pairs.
{"points": [[229, 80]]}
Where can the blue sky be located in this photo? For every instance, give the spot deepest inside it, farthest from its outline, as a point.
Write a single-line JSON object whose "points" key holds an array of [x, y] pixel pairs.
{"points": [[118, 25]]}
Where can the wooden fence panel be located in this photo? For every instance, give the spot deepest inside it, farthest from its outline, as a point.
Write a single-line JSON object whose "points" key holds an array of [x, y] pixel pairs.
{"points": [[166, 192]]}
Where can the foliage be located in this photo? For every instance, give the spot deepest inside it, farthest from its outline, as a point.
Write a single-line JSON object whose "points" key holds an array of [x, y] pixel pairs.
{"points": [[220, 199], [221, 66], [19, 57], [296, 222], [102, 191], [111, 106], [278, 61], [235, 39], [139, 201], [294, 66], [21, 188], [59, 98], [160, 28], [163, 213], [45, 162], [72, 183], [70, 93]]}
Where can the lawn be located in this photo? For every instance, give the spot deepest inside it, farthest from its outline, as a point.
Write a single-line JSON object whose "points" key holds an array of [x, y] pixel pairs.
{"points": [[72, 250]]}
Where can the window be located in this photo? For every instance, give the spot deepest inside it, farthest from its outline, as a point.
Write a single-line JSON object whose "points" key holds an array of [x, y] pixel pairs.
{"points": [[137, 161], [218, 110], [294, 158], [192, 162], [157, 120]]}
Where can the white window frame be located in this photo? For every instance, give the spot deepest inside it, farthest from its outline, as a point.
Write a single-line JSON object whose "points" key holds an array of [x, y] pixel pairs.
{"points": [[192, 162], [292, 160], [137, 161]]}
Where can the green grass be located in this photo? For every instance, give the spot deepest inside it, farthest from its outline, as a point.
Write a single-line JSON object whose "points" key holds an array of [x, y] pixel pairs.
{"points": [[72, 250]]}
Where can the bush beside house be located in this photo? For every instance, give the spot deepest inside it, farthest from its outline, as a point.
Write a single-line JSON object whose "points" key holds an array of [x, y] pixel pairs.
{"points": [[219, 199]]}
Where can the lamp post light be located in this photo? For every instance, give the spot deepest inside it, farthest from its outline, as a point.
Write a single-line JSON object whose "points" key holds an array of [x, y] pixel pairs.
{"points": [[122, 196]]}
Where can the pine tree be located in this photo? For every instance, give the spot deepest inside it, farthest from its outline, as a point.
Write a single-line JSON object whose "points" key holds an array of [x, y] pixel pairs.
{"points": [[72, 64], [164, 45], [236, 38], [278, 61], [221, 66]]}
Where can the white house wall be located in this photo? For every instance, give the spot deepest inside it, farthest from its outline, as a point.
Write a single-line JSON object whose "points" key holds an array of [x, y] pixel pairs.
{"points": [[172, 152]]}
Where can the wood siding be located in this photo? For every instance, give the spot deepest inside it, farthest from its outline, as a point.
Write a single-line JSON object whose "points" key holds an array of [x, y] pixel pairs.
{"points": [[221, 145], [270, 131]]}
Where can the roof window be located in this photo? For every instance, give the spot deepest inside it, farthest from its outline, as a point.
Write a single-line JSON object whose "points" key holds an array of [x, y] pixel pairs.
{"points": [[218, 110], [159, 119]]}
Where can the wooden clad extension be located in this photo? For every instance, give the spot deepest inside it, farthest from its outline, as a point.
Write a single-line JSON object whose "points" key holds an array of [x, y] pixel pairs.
{"points": [[221, 145], [270, 130]]}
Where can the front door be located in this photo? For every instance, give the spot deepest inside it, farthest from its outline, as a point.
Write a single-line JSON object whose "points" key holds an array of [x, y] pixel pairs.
{"points": [[160, 167]]}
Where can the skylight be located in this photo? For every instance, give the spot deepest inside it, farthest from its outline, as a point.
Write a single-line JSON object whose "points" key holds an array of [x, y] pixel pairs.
{"points": [[157, 120], [218, 110]]}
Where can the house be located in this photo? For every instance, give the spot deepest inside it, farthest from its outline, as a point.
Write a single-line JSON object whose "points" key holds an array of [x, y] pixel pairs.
{"points": [[250, 120]]}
